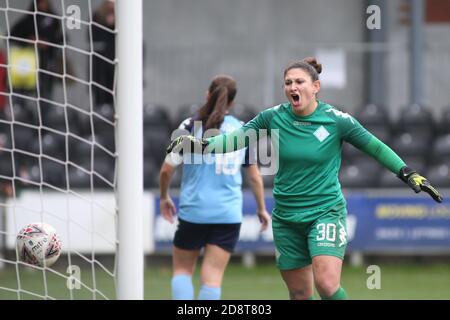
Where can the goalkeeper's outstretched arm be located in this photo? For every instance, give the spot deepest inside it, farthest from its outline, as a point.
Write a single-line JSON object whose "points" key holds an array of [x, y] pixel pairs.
{"points": [[389, 159], [354, 133], [224, 143]]}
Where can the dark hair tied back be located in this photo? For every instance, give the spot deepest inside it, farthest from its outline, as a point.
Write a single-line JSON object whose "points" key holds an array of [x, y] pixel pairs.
{"points": [[308, 64], [222, 91]]}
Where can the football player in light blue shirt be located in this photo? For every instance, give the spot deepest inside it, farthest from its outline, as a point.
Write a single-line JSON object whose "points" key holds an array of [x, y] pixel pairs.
{"points": [[210, 206]]}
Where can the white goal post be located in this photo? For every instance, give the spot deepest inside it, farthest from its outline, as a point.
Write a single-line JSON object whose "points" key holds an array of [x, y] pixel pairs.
{"points": [[67, 159], [130, 275]]}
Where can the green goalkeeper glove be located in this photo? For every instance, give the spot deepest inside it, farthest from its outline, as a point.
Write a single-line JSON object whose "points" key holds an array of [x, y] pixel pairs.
{"points": [[188, 144], [418, 183]]}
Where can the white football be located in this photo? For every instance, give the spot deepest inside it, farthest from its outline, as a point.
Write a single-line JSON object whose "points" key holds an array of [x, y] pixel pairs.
{"points": [[38, 244]]}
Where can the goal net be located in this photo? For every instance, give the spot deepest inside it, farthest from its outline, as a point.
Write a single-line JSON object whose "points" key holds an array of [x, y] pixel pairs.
{"points": [[60, 139]]}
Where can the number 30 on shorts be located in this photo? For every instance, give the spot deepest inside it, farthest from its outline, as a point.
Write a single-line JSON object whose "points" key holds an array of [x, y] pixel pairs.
{"points": [[326, 231]]}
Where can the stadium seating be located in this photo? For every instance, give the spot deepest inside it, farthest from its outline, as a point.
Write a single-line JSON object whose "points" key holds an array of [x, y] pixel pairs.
{"points": [[151, 174], [79, 123], [5, 139], [25, 138], [373, 115], [415, 117], [439, 175], [102, 127], [155, 143], [53, 117], [410, 143], [30, 173], [390, 180], [350, 153], [183, 112], [105, 170], [53, 145], [417, 121], [382, 132], [156, 116], [444, 123], [441, 147], [417, 162], [360, 174], [6, 167], [53, 173], [78, 178], [243, 112]]}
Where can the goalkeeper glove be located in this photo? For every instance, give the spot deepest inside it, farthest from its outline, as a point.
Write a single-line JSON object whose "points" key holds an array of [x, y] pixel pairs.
{"points": [[418, 183], [187, 143]]}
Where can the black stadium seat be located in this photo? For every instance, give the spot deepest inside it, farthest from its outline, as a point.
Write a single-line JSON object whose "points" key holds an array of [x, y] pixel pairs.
{"points": [[26, 138], [53, 145], [6, 167], [183, 112], [54, 173], [382, 132], [417, 163], [360, 174], [416, 118], [373, 115], [104, 167], [151, 174], [441, 147], [243, 112], [79, 150], [78, 178], [409, 144], [439, 175], [444, 123], [349, 152], [54, 117], [156, 116], [390, 180], [155, 144]]}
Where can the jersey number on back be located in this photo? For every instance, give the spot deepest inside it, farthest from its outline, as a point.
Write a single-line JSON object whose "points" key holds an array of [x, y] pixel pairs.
{"points": [[228, 163]]}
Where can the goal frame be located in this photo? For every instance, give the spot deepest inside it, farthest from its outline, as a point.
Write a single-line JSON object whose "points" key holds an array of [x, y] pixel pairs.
{"points": [[129, 137]]}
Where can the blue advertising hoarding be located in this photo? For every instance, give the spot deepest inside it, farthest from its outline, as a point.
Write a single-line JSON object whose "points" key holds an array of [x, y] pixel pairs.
{"points": [[380, 223], [408, 224]]}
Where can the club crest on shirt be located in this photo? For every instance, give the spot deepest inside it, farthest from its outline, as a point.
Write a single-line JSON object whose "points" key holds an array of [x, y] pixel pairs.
{"points": [[321, 133]]}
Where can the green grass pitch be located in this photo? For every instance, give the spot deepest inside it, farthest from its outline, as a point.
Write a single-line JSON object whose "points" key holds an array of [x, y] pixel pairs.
{"points": [[398, 281]]}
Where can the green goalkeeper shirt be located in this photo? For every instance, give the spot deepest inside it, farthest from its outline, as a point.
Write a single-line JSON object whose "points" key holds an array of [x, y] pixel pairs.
{"points": [[309, 153]]}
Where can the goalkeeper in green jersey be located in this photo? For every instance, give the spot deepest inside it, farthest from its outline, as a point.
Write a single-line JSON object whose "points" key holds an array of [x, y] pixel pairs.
{"points": [[309, 217]]}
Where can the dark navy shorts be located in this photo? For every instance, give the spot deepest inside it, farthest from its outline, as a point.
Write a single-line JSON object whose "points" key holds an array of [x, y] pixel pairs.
{"points": [[194, 236]]}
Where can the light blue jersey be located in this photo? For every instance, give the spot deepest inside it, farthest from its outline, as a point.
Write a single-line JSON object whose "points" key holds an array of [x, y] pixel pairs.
{"points": [[211, 191]]}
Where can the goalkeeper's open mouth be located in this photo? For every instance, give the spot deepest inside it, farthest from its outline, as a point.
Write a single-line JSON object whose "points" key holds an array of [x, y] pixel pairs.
{"points": [[295, 100]]}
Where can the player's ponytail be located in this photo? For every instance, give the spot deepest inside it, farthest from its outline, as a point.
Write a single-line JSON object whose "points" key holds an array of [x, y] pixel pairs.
{"points": [[221, 95], [312, 61]]}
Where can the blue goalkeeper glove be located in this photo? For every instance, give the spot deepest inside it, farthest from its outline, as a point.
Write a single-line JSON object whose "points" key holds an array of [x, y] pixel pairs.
{"points": [[418, 183], [187, 143]]}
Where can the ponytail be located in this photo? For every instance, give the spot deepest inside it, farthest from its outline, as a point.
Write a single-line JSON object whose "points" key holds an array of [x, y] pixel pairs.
{"points": [[221, 93]]}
